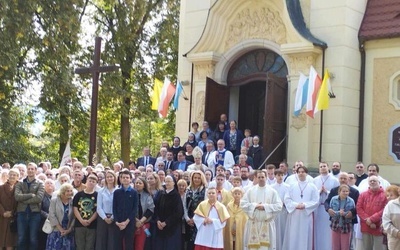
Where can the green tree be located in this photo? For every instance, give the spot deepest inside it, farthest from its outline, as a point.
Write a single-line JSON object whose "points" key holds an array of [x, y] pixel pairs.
{"points": [[126, 24], [58, 26]]}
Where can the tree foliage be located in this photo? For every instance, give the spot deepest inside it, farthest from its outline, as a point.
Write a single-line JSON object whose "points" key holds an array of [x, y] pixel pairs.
{"points": [[42, 44]]}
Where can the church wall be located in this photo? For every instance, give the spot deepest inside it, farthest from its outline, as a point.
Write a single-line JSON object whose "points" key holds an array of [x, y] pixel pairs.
{"points": [[193, 18], [382, 63], [337, 23]]}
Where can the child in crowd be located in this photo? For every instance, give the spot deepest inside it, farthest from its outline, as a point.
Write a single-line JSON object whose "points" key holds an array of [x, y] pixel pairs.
{"points": [[234, 230], [340, 225]]}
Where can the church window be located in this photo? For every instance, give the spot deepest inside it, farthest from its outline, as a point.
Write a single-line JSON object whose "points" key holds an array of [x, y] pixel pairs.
{"points": [[394, 90]]}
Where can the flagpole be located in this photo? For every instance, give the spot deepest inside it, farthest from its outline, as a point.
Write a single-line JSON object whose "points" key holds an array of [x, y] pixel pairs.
{"points": [[321, 125]]}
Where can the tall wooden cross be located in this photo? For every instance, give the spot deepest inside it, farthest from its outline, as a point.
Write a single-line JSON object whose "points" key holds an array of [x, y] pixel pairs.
{"points": [[95, 70]]}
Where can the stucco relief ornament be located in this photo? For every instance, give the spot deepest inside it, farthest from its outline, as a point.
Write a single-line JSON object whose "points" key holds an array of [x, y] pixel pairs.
{"points": [[200, 107], [252, 24], [299, 122], [301, 63], [204, 70]]}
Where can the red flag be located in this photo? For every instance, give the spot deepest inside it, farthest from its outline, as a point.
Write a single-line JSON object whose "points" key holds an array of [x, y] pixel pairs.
{"points": [[167, 94]]}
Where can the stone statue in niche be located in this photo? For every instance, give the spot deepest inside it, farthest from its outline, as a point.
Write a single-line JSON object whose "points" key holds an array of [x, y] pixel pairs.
{"points": [[201, 102]]}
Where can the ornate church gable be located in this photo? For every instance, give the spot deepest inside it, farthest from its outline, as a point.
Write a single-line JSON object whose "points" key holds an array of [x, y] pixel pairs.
{"points": [[261, 23], [232, 22]]}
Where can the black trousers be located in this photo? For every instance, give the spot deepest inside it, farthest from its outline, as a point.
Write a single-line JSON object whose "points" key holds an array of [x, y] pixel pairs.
{"points": [[125, 237]]}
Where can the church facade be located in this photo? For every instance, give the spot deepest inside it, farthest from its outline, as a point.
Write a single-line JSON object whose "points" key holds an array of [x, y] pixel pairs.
{"points": [[244, 57]]}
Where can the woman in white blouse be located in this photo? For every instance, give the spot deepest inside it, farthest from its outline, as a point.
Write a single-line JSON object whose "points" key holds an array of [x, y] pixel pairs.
{"points": [[105, 222]]}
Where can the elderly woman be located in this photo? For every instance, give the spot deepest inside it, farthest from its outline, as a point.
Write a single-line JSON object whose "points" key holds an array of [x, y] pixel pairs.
{"points": [[391, 217], [4, 176], [63, 171], [191, 141], [8, 205], [62, 220], [44, 213], [194, 195]]}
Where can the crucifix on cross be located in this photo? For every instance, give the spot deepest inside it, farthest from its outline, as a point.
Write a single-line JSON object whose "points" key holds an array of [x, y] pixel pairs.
{"points": [[95, 70]]}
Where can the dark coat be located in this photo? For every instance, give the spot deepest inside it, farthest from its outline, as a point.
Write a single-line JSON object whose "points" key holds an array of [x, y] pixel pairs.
{"points": [[239, 139], [7, 203], [257, 155], [168, 209]]}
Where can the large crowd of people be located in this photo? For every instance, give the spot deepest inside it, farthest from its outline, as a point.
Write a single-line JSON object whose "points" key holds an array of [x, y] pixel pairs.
{"points": [[205, 194]]}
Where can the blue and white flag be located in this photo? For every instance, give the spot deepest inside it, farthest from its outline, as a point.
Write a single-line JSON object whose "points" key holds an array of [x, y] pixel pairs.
{"points": [[178, 92], [301, 94]]}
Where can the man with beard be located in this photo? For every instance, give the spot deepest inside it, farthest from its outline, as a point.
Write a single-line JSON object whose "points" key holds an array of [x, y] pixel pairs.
{"points": [[336, 166], [169, 162], [244, 174]]}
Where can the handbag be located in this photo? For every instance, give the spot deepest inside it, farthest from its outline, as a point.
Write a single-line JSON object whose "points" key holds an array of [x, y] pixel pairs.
{"points": [[47, 228], [14, 224]]}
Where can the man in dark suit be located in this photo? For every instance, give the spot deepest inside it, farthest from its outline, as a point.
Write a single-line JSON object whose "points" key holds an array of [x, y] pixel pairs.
{"points": [[146, 158], [169, 162], [181, 164]]}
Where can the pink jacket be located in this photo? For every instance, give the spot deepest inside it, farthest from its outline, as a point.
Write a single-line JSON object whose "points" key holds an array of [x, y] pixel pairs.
{"points": [[370, 205]]}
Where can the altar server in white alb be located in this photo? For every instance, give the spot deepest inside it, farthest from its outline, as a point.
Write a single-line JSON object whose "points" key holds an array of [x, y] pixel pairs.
{"points": [[262, 204], [324, 183], [293, 179], [210, 219], [301, 200], [280, 219]]}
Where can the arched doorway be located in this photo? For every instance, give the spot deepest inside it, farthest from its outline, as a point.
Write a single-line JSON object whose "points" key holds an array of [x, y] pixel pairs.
{"points": [[257, 87]]}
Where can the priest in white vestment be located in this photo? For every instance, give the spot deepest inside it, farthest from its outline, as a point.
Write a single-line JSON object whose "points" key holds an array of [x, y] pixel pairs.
{"points": [[210, 219], [324, 183], [262, 204], [301, 200]]}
